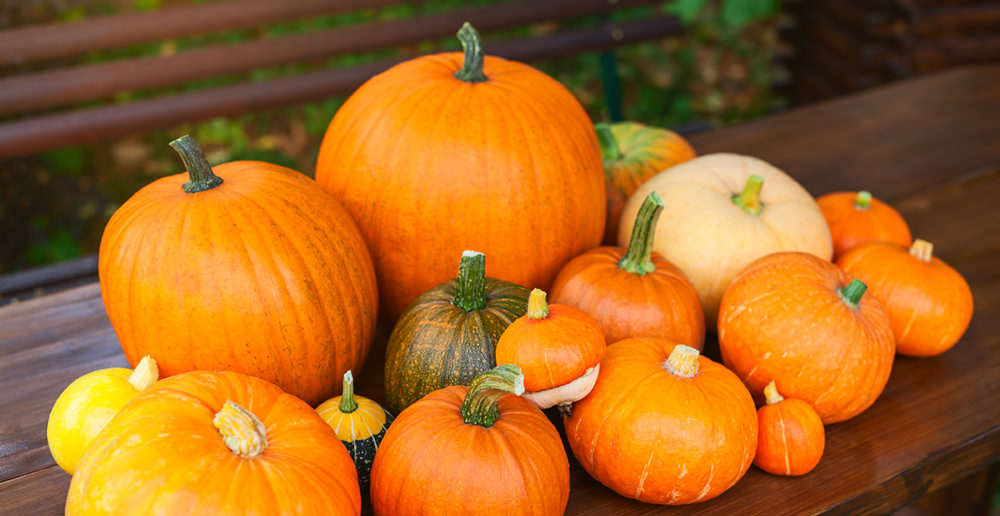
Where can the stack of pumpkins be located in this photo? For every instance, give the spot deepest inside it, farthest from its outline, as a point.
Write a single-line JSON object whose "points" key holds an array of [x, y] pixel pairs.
{"points": [[252, 288]]}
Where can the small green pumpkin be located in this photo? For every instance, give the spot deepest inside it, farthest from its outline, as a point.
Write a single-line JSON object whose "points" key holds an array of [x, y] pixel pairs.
{"points": [[448, 335], [360, 423]]}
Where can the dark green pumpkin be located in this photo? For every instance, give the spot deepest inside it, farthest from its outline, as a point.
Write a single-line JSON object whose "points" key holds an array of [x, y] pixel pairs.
{"points": [[448, 335], [360, 423]]}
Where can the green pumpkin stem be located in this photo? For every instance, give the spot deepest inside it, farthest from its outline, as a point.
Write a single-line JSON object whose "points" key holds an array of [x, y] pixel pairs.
{"points": [[639, 257], [537, 307], [749, 199], [470, 287], [347, 403], [851, 294], [863, 200], [199, 170], [472, 68], [480, 404], [609, 146]]}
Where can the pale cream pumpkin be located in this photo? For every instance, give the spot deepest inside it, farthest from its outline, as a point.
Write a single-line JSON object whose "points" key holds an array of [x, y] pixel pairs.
{"points": [[710, 237]]}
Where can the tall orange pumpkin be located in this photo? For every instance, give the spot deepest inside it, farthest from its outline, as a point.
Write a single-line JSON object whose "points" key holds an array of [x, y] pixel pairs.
{"points": [[447, 152], [248, 267]]}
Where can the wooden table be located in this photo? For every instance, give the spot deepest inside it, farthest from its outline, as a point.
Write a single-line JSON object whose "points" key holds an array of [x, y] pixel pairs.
{"points": [[930, 146]]}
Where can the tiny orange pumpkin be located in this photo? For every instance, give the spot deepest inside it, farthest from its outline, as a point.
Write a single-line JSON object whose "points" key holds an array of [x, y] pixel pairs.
{"points": [[858, 217], [790, 435]]}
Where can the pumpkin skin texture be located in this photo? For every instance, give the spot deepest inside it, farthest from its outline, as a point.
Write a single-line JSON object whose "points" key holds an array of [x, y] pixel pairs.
{"points": [[634, 292], [664, 435], [784, 319], [87, 404], [791, 437], [633, 153], [708, 236], [856, 217], [506, 458], [263, 274], [430, 165], [215, 443], [437, 342], [929, 303]]}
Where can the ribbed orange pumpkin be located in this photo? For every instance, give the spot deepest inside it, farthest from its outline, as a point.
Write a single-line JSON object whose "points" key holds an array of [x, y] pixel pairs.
{"points": [[858, 217], [929, 303], [791, 437], [215, 443], [257, 270], [433, 157]]}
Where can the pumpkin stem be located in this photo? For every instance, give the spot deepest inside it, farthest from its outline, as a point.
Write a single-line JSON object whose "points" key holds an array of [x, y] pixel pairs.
{"points": [[771, 393], [145, 374], [609, 146], [922, 250], [347, 403], [639, 257], [472, 68], [470, 287], [851, 294], [537, 307], [749, 199], [242, 432], [863, 201], [683, 361], [197, 165], [480, 404]]}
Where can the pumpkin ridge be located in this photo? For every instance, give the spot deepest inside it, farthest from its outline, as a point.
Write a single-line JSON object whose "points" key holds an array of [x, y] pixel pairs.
{"points": [[619, 409]]}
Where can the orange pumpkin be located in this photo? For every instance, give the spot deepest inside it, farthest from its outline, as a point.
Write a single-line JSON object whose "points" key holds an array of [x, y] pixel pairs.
{"points": [[790, 435], [929, 303], [247, 267], [858, 217], [472, 450], [633, 153], [215, 443], [663, 424], [447, 152], [634, 292], [799, 320]]}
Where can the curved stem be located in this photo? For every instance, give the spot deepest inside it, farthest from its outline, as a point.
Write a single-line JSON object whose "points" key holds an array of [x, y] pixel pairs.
{"points": [[347, 403], [242, 432], [749, 199], [470, 287], [200, 172], [683, 361], [639, 257], [771, 394], [863, 200], [145, 374], [609, 145], [480, 404], [537, 307], [472, 68], [851, 294], [922, 250]]}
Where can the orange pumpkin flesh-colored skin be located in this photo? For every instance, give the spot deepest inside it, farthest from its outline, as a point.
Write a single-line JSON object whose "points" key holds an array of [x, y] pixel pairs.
{"points": [[782, 319], [660, 438], [162, 454], [791, 437], [929, 303], [430, 165], [265, 274], [851, 225]]}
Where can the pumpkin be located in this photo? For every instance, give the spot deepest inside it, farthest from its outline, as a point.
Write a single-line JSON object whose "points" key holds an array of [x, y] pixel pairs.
{"points": [[790, 435], [215, 443], [472, 450], [632, 153], [803, 323], [88, 403], [664, 425], [449, 334], [858, 217], [360, 423], [246, 267], [724, 211], [558, 348], [634, 292], [456, 151], [929, 303]]}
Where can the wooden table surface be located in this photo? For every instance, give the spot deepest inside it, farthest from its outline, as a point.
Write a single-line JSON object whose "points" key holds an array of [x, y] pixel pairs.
{"points": [[930, 146]]}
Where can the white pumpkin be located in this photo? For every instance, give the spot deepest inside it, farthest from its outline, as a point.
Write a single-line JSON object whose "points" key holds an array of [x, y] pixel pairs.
{"points": [[710, 237]]}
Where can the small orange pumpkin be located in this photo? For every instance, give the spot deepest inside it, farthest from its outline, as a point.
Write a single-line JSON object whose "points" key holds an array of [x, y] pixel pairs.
{"points": [[858, 217], [790, 435], [929, 303]]}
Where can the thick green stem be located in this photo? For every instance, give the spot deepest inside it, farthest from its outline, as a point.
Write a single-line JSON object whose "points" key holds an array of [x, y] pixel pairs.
{"points": [[537, 307], [863, 200], [609, 146], [472, 68], [199, 170], [639, 257], [347, 403], [851, 294], [480, 404], [749, 199], [470, 287]]}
